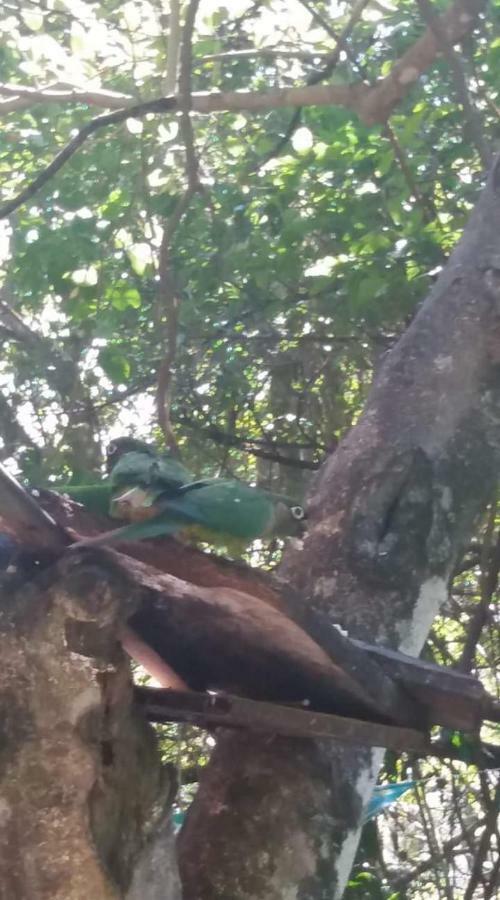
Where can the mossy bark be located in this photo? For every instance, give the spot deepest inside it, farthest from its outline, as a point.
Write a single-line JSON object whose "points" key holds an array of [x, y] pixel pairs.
{"points": [[83, 796]]}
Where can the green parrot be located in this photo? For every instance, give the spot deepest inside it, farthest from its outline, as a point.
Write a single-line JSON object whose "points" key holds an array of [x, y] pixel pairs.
{"points": [[223, 512]]}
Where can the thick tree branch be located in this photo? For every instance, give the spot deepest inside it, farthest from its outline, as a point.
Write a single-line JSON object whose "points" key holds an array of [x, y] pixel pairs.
{"points": [[24, 97], [79, 757]]}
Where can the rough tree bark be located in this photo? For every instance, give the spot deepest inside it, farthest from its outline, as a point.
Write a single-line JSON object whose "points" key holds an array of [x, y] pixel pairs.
{"points": [[84, 799], [278, 819]]}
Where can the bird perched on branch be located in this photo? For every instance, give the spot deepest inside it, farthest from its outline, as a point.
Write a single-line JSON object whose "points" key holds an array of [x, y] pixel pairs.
{"points": [[159, 497]]}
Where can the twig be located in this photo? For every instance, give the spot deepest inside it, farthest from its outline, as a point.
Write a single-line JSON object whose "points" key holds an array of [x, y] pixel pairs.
{"points": [[430, 833], [428, 209], [471, 114], [490, 569], [483, 845], [174, 42], [320, 19], [224, 439], [252, 52], [402, 881], [168, 298], [114, 118]]}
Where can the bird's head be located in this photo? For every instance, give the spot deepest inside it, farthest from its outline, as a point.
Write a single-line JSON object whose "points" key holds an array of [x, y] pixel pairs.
{"points": [[289, 519], [117, 448]]}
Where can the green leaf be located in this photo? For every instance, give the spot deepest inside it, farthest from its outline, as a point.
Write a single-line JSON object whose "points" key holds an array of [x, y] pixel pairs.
{"points": [[114, 364], [122, 298]]}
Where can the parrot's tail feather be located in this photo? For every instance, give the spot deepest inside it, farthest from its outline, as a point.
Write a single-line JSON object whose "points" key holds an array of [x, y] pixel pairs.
{"points": [[107, 537], [138, 531]]}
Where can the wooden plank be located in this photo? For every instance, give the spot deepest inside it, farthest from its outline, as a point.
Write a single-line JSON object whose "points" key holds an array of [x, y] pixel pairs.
{"points": [[450, 698], [388, 694], [223, 710]]}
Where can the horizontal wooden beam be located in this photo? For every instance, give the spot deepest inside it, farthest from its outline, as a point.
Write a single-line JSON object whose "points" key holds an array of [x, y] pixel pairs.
{"points": [[450, 698], [224, 710]]}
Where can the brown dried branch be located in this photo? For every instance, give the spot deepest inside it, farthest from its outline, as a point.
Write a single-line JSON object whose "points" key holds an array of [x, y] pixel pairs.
{"points": [[237, 712], [150, 661], [472, 117], [21, 96]]}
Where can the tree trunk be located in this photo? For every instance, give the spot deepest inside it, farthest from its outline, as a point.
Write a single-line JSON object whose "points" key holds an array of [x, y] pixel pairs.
{"points": [[278, 819], [84, 800]]}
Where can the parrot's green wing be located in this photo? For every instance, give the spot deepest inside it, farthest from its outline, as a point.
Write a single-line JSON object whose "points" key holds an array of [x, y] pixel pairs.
{"points": [[159, 473], [227, 508], [139, 480]]}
